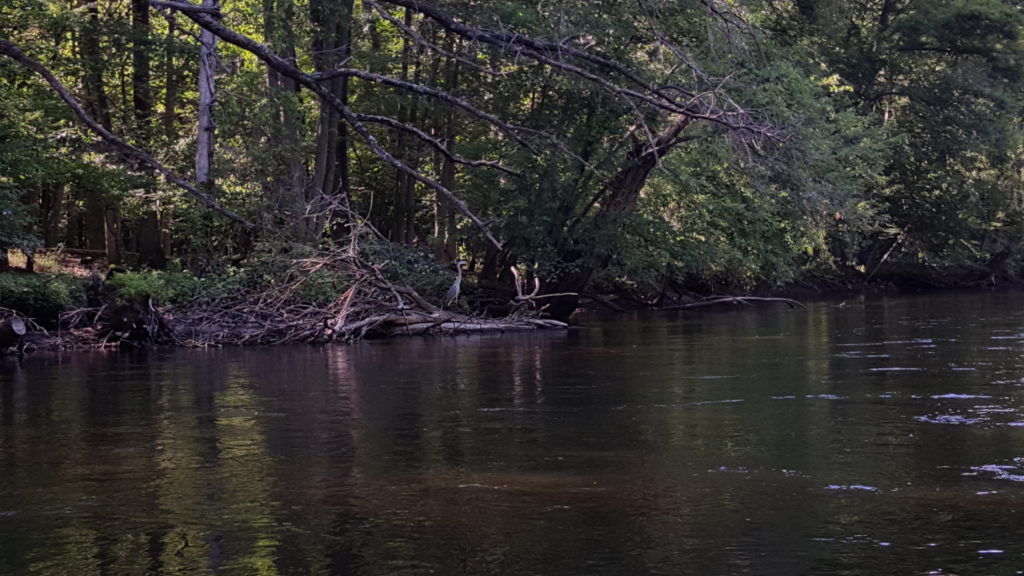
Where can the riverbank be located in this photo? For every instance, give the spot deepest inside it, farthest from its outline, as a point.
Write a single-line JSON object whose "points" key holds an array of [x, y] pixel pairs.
{"points": [[330, 296], [335, 297]]}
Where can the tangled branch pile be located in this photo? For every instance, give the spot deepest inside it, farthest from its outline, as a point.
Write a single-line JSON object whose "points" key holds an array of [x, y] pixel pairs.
{"points": [[334, 295], [372, 306]]}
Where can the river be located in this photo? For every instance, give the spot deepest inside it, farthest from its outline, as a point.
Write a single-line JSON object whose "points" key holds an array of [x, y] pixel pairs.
{"points": [[874, 437]]}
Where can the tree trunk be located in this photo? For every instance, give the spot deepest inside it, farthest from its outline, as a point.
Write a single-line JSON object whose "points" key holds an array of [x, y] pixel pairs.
{"points": [[95, 221], [444, 213], [171, 80], [172, 77], [147, 235], [98, 209], [51, 213], [96, 102], [288, 182], [332, 45], [618, 198], [404, 226], [207, 100], [112, 233], [142, 101]]}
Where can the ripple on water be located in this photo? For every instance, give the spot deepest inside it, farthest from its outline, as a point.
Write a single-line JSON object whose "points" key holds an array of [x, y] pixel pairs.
{"points": [[993, 414], [956, 419], [853, 487], [994, 409], [858, 354], [953, 396], [710, 402], [998, 471], [896, 369]]}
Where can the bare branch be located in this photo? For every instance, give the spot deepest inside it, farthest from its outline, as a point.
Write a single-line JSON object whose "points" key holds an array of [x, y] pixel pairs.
{"points": [[441, 95], [419, 40], [433, 142], [185, 7], [9, 49], [559, 56]]}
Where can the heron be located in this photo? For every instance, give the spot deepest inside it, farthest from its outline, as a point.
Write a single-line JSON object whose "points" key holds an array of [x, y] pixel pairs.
{"points": [[453, 292]]}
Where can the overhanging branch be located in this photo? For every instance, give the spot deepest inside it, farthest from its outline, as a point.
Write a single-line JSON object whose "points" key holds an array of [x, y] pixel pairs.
{"points": [[602, 71]]}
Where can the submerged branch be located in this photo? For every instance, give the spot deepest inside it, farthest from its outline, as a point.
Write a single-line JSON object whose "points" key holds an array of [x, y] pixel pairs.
{"points": [[744, 300]]}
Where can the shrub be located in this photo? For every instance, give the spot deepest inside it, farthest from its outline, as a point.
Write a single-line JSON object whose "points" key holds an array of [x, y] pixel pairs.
{"points": [[167, 287], [42, 297]]}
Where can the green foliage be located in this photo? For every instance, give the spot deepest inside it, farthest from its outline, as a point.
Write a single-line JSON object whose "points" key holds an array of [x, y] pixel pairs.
{"points": [[165, 287], [409, 266], [703, 223], [900, 122], [15, 222], [42, 297]]}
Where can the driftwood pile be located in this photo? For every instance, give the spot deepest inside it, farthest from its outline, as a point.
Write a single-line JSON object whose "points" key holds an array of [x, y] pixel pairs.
{"points": [[137, 322], [370, 307]]}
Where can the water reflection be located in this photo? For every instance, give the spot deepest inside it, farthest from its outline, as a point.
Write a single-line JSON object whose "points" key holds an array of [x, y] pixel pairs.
{"points": [[877, 437]]}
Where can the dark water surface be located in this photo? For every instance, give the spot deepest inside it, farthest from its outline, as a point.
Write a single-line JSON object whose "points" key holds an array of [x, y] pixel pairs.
{"points": [[882, 437]]}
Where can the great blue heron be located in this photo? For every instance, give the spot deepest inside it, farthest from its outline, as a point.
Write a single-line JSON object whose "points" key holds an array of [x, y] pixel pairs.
{"points": [[453, 292]]}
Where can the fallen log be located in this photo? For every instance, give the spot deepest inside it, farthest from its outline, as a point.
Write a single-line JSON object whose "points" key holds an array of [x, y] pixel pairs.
{"points": [[467, 326]]}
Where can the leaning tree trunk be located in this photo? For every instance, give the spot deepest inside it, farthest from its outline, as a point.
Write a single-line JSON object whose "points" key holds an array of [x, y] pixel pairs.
{"points": [[618, 198]]}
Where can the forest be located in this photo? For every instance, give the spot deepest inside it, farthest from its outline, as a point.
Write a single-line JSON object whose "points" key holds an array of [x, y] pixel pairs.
{"points": [[294, 170]]}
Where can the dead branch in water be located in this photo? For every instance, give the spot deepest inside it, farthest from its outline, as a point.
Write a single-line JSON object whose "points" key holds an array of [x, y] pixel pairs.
{"points": [[744, 300]]}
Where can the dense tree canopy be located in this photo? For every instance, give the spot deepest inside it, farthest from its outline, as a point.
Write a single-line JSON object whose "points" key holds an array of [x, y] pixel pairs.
{"points": [[650, 147]]}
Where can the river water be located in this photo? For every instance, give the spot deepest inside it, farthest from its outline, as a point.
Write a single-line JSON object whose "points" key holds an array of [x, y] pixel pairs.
{"points": [[876, 437]]}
